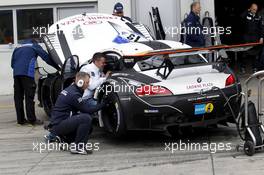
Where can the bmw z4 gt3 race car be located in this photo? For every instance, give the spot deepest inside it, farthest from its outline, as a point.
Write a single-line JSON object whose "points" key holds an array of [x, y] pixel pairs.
{"points": [[155, 85]]}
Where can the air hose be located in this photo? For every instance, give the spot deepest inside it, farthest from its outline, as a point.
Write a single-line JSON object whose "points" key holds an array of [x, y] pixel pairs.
{"points": [[239, 129]]}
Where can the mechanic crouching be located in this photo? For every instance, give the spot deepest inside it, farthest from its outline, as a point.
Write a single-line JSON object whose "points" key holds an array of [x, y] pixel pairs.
{"points": [[66, 122]]}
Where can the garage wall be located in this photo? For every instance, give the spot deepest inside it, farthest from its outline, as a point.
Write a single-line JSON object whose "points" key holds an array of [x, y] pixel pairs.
{"points": [[169, 12], [64, 12], [6, 78], [34, 2]]}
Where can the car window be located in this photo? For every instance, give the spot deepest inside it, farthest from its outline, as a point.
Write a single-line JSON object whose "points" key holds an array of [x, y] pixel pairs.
{"points": [[156, 61]]}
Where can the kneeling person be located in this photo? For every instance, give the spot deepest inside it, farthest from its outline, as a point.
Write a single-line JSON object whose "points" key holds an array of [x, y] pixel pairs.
{"points": [[65, 120]]}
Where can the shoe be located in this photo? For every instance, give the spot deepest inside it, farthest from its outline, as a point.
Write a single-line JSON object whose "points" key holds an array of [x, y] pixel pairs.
{"points": [[25, 122], [52, 138], [20, 124], [37, 122], [78, 151], [75, 150]]}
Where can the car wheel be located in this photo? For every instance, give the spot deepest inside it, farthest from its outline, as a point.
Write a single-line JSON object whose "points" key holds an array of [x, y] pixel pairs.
{"points": [[46, 97], [249, 148], [56, 87], [113, 117]]}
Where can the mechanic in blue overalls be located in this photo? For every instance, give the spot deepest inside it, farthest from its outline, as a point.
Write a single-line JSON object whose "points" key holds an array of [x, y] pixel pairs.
{"points": [[194, 29], [23, 64], [70, 117], [97, 77]]}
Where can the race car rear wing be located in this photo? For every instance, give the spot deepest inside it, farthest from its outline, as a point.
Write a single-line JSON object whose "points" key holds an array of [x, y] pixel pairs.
{"points": [[131, 60]]}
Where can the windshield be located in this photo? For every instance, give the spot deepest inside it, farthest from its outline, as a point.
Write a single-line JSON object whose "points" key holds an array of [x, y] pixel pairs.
{"points": [[157, 60]]}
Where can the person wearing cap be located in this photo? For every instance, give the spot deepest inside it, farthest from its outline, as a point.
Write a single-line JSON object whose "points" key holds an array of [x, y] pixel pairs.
{"points": [[119, 11]]}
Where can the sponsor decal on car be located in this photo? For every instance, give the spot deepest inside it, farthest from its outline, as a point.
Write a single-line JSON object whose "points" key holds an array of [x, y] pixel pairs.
{"points": [[88, 20], [127, 60], [199, 86], [200, 109], [203, 98], [209, 108], [147, 111]]}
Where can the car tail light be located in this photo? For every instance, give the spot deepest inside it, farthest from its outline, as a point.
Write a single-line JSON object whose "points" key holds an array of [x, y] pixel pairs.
{"points": [[230, 80], [149, 90]]}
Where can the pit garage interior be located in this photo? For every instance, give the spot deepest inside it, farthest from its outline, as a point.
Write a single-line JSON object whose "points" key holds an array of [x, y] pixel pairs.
{"points": [[228, 13]]}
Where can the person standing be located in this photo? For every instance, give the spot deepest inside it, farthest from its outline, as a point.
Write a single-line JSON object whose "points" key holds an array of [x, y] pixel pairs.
{"points": [[261, 59], [194, 29], [252, 33], [23, 63], [119, 11]]}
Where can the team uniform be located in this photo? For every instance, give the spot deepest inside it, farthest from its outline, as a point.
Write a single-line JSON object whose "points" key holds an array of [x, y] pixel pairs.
{"points": [[71, 115], [253, 31], [97, 78], [23, 64], [194, 36]]}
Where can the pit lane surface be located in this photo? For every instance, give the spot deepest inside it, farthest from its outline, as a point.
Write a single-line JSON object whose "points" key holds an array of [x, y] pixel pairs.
{"points": [[139, 153]]}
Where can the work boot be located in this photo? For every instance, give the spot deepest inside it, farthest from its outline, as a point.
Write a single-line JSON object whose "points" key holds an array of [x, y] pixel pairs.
{"points": [[82, 151], [37, 122], [25, 122], [52, 138]]}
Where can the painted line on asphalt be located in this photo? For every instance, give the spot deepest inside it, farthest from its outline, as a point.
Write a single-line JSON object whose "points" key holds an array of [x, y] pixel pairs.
{"points": [[6, 106]]}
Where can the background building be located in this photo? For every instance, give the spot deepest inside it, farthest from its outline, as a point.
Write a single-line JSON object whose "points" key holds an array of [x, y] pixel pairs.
{"points": [[18, 17]]}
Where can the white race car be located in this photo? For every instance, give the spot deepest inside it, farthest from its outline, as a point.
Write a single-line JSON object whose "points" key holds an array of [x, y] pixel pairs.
{"points": [[156, 84]]}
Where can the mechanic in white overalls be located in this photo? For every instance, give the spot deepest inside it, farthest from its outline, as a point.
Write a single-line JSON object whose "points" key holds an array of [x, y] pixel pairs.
{"points": [[97, 77]]}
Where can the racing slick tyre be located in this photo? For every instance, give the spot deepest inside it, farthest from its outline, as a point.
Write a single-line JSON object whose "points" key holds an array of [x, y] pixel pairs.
{"points": [[46, 96], [56, 87], [249, 148], [113, 117]]}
